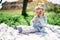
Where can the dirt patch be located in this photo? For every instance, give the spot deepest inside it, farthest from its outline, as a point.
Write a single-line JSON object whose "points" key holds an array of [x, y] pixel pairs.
{"points": [[13, 10]]}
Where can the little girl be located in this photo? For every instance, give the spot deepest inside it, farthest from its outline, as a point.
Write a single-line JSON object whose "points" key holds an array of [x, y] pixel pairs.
{"points": [[39, 20], [37, 23]]}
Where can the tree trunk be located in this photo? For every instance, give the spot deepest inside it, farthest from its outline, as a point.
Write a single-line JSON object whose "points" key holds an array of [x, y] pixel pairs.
{"points": [[24, 8]]}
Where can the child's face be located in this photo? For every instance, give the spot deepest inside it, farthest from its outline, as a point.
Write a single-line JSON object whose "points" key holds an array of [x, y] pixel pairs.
{"points": [[39, 11]]}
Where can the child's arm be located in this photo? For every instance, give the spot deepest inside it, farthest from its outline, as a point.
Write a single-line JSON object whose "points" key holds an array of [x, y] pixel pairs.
{"points": [[34, 18], [45, 19], [32, 21]]}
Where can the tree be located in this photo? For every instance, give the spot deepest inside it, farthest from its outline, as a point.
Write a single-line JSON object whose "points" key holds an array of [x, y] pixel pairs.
{"points": [[24, 8]]}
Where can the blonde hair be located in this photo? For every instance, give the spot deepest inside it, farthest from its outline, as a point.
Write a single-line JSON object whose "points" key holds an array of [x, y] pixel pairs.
{"points": [[40, 5]]}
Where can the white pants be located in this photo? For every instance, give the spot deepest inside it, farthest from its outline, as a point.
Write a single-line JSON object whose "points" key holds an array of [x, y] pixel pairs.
{"points": [[27, 29]]}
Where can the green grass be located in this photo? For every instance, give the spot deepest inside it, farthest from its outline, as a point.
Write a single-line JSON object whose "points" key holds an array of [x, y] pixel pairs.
{"points": [[53, 18], [15, 18]]}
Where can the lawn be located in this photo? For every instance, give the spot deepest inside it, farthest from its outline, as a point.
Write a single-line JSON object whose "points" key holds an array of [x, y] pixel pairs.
{"points": [[15, 18]]}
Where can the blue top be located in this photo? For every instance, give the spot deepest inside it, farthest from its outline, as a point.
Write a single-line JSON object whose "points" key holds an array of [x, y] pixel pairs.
{"points": [[39, 23]]}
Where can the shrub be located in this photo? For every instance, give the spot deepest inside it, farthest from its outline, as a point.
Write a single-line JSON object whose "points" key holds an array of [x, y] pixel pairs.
{"points": [[11, 18], [53, 8], [53, 19]]}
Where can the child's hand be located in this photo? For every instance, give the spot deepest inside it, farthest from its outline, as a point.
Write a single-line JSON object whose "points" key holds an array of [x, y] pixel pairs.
{"points": [[34, 18]]}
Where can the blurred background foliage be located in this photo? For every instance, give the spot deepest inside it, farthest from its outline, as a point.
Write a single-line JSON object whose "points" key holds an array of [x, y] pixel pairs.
{"points": [[54, 8], [15, 18]]}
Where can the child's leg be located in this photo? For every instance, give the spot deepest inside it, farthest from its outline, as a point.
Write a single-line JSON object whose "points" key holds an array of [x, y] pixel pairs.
{"points": [[26, 29], [29, 30]]}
